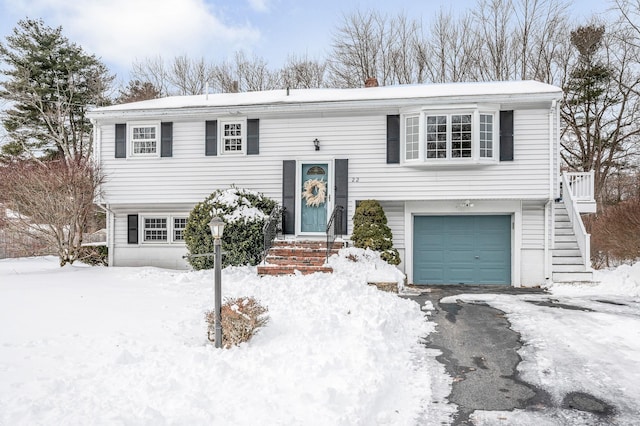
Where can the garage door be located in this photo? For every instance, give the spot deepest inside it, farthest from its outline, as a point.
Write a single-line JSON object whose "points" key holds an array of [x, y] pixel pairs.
{"points": [[462, 250]]}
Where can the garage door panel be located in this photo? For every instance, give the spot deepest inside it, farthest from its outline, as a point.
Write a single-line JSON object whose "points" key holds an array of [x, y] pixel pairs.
{"points": [[462, 249]]}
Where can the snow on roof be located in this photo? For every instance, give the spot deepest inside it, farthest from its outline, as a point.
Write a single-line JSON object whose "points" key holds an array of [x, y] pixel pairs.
{"points": [[297, 96]]}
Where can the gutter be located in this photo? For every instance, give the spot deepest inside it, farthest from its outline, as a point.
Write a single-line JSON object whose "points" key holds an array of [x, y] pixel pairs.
{"points": [[549, 206]]}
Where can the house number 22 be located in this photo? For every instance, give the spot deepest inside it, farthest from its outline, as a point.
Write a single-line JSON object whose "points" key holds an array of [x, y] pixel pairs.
{"points": [[355, 179]]}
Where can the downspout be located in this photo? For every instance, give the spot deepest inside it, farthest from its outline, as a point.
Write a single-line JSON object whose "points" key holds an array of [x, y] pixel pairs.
{"points": [[549, 233]]}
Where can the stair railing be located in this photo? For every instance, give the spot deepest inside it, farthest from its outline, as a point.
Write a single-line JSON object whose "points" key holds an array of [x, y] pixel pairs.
{"points": [[571, 204], [270, 230], [334, 227]]}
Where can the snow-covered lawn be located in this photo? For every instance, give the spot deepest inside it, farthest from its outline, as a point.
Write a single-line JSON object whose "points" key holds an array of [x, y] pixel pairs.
{"points": [[594, 351], [92, 345]]}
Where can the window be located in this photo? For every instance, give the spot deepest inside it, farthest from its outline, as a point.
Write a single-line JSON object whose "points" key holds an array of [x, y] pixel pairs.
{"points": [[163, 228], [145, 140], [435, 137], [412, 132], [179, 223], [486, 136], [232, 136], [155, 229]]}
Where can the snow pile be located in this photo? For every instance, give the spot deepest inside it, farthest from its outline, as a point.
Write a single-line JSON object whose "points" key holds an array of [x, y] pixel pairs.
{"points": [[622, 281], [365, 265], [81, 345]]}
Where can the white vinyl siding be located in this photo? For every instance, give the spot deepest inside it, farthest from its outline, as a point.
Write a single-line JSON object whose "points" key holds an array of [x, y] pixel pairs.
{"points": [[190, 176], [532, 225]]}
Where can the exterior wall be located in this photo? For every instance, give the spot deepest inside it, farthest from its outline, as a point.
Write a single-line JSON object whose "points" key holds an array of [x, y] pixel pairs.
{"points": [[174, 184]]}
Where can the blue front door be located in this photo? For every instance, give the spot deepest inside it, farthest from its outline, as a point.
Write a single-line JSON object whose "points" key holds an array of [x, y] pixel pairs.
{"points": [[314, 192], [462, 250]]}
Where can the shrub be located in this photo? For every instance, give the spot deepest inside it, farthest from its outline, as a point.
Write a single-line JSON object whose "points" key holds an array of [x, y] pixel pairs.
{"points": [[240, 318], [615, 234], [370, 231], [94, 255], [243, 212]]}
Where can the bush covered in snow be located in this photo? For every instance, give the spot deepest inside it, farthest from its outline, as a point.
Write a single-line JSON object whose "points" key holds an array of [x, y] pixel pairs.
{"points": [[241, 317], [370, 231], [243, 212]]}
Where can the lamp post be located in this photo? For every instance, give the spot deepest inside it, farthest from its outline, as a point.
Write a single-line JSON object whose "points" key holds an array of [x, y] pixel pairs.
{"points": [[217, 228]]}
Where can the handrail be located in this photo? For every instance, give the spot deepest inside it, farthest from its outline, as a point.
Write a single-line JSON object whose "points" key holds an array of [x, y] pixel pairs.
{"points": [[335, 222], [270, 229], [581, 185], [582, 237]]}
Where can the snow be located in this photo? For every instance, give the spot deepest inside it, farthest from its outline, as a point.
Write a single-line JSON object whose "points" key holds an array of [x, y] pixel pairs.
{"points": [[593, 348], [297, 96], [96, 345]]}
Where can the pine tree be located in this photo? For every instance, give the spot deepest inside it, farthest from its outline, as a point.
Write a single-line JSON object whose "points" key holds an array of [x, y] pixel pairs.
{"points": [[370, 231], [49, 82]]}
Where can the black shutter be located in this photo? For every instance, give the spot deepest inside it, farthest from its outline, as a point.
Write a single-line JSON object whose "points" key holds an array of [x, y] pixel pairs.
{"points": [[506, 135], [289, 196], [211, 137], [253, 136], [121, 140], [393, 139], [342, 192], [132, 229], [166, 139]]}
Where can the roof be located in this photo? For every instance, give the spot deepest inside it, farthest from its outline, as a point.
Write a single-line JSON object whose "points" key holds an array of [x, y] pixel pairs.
{"points": [[308, 96]]}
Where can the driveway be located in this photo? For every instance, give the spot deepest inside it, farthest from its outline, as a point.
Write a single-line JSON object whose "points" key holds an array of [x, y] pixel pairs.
{"points": [[480, 352]]}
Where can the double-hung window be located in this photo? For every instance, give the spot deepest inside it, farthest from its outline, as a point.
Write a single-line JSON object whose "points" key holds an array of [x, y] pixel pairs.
{"points": [[450, 136], [233, 136], [145, 139], [162, 228]]}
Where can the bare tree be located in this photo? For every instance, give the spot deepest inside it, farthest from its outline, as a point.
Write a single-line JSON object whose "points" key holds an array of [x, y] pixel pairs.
{"points": [[190, 76], [601, 108], [136, 91], [52, 202], [450, 52], [254, 74], [300, 72], [154, 71]]}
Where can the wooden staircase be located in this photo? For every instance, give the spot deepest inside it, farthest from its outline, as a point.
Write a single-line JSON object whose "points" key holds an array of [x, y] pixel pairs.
{"points": [[567, 262], [287, 257]]}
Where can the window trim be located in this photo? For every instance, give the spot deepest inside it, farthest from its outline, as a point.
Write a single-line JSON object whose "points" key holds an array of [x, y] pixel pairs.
{"points": [[243, 136], [130, 142], [476, 159], [171, 228]]}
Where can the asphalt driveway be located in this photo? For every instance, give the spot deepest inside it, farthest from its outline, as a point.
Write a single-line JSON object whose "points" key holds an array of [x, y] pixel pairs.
{"points": [[480, 352]]}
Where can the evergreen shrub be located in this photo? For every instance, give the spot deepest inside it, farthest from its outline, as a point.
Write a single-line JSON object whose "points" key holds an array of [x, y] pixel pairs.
{"points": [[244, 213], [370, 231]]}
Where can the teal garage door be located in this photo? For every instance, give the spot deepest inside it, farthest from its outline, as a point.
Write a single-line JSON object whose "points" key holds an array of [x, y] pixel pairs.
{"points": [[462, 250]]}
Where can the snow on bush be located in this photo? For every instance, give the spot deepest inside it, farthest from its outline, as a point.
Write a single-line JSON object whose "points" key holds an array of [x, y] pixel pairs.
{"points": [[365, 265], [241, 317]]}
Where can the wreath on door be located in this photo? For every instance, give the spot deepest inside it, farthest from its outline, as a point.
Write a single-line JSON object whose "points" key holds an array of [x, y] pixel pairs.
{"points": [[315, 192]]}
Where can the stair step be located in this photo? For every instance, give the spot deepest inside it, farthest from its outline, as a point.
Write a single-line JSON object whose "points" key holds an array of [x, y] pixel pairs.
{"points": [[568, 268], [564, 225], [296, 260], [299, 252], [571, 252], [565, 238], [568, 260], [566, 245], [572, 276], [564, 231], [291, 269]]}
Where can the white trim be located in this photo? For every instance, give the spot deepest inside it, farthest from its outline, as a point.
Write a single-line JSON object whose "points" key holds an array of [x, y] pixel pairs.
{"points": [[455, 207], [329, 201], [137, 124], [170, 227], [243, 135]]}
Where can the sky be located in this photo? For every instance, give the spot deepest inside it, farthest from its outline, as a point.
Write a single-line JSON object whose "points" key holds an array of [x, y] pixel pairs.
{"points": [[123, 31]]}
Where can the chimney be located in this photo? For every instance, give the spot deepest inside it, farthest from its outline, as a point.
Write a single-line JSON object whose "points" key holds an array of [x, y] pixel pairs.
{"points": [[371, 82], [234, 86]]}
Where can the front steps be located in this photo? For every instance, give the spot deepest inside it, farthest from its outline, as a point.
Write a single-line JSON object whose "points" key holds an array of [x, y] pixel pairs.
{"points": [[307, 257], [567, 263]]}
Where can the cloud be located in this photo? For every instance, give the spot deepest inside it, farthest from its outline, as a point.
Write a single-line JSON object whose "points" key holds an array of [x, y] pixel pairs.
{"points": [[119, 31], [259, 5]]}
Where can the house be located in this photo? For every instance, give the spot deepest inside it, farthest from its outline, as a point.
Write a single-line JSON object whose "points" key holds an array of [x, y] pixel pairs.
{"points": [[467, 173]]}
